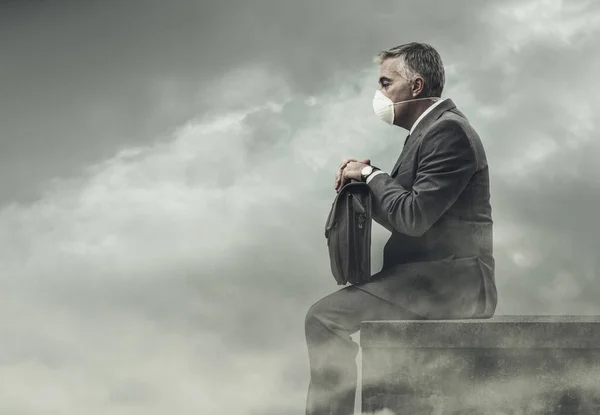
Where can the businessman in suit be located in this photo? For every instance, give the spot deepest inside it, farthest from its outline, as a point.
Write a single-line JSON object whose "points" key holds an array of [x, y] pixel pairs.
{"points": [[438, 262]]}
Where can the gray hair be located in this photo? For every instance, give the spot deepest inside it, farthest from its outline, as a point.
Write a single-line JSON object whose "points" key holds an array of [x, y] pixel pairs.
{"points": [[418, 59]]}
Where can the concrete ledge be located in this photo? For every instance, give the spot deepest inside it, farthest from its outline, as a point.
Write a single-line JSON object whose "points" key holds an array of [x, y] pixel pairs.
{"points": [[504, 365], [507, 331]]}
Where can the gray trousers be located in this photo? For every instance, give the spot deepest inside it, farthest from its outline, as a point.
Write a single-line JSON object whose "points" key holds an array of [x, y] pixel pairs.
{"points": [[332, 352]]}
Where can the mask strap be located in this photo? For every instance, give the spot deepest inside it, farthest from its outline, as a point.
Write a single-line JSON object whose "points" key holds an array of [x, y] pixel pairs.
{"points": [[418, 99]]}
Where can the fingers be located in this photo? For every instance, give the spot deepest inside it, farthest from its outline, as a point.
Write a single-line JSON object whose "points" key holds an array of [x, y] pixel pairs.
{"points": [[338, 175], [345, 163], [340, 183], [337, 184]]}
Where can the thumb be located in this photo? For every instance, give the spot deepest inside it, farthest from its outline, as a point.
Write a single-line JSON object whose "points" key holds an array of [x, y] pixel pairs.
{"points": [[366, 161]]}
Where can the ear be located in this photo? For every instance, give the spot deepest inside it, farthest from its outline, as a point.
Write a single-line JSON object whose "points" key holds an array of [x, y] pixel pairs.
{"points": [[417, 86]]}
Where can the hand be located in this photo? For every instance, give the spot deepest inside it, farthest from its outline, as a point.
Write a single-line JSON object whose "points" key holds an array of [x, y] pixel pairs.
{"points": [[338, 183], [349, 169]]}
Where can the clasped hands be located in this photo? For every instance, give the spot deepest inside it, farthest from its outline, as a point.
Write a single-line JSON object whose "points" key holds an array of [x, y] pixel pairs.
{"points": [[349, 169]]}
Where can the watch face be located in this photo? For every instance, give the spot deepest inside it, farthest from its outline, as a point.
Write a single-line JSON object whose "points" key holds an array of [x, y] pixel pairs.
{"points": [[366, 171]]}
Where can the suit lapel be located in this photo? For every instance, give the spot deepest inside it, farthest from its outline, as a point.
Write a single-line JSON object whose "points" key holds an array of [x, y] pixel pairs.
{"points": [[400, 158], [423, 125]]}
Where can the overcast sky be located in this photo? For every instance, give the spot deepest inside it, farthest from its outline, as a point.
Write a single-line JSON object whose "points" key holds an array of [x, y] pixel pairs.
{"points": [[167, 168]]}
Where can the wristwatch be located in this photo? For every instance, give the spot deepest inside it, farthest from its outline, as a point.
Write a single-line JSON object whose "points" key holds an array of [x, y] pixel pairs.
{"points": [[366, 172]]}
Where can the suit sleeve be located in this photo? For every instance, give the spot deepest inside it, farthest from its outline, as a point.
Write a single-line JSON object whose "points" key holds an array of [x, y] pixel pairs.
{"points": [[381, 219], [446, 164]]}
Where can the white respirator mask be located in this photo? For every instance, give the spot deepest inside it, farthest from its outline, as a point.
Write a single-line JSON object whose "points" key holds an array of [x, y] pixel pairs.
{"points": [[384, 107]]}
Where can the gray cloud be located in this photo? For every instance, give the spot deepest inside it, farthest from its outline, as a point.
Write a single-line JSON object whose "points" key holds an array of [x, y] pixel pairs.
{"points": [[85, 79]]}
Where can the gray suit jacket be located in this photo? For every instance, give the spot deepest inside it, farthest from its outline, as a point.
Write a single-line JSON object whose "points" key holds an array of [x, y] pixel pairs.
{"points": [[439, 259]]}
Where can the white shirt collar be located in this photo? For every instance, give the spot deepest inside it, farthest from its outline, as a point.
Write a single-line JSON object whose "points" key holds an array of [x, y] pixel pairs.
{"points": [[427, 111]]}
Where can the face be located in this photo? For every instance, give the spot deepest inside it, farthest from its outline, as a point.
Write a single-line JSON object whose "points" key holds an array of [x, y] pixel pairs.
{"points": [[397, 88]]}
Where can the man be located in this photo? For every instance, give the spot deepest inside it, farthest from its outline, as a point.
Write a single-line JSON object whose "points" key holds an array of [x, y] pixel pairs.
{"points": [[438, 262]]}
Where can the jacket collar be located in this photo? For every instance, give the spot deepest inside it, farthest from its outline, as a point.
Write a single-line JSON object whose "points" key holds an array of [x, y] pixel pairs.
{"points": [[432, 116]]}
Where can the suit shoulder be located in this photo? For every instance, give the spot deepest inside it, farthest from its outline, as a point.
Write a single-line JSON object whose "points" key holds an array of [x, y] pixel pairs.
{"points": [[461, 129], [453, 121], [450, 129]]}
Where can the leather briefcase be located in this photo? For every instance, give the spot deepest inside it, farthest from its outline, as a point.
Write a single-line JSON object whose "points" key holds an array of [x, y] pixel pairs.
{"points": [[348, 233]]}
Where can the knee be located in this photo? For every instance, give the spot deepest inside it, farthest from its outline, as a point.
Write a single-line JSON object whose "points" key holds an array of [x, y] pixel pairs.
{"points": [[312, 314], [314, 320]]}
